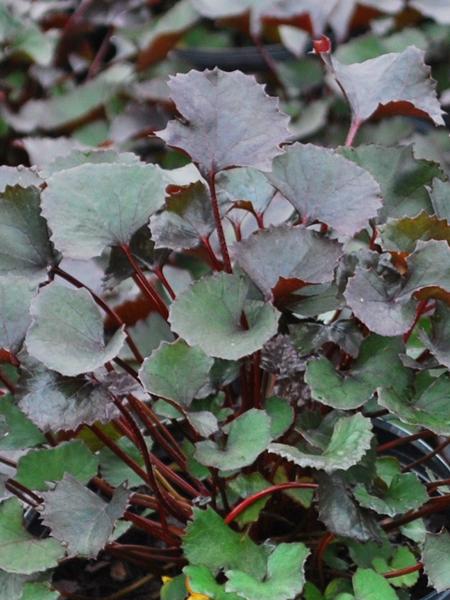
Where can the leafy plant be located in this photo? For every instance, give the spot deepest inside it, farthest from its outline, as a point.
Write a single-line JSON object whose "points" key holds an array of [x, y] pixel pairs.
{"points": [[198, 363]]}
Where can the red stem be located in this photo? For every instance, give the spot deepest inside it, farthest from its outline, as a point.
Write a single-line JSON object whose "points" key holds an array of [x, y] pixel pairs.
{"points": [[212, 257], [405, 571], [421, 309], [7, 383], [218, 220], [162, 278], [404, 440], [427, 457], [354, 128], [242, 506]]}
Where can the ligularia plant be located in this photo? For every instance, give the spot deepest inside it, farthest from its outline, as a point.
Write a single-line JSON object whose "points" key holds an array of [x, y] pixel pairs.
{"points": [[296, 314]]}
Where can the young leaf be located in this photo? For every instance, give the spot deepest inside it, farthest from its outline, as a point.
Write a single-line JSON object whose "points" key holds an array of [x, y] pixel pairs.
{"points": [[187, 219], [54, 402], [387, 307], [427, 407], [176, 371], [91, 521], [210, 543], [86, 219], [402, 559], [404, 493], [370, 585], [25, 248], [435, 556], [220, 300], [249, 435], [231, 121], [378, 361], [284, 578], [341, 514], [324, 186], [349, 442], [67, 331], [15, 299], [202, 585], [20, 552], [390, 79], [38, 467], [287, 252], [401, 176]]}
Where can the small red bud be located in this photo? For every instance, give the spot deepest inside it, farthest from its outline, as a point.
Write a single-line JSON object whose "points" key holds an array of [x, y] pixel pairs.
{"points": [[322, 46]]}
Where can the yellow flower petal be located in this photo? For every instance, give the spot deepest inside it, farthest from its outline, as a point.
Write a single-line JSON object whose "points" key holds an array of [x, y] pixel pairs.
{"points": [[166, 579]]}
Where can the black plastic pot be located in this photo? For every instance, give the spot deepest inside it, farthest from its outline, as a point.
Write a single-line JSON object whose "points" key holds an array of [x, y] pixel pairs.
{"points": [[245, 58], [386, 432]]}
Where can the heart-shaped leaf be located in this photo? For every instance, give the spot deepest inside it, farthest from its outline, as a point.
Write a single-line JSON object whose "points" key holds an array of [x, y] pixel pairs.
{"points": [[390, 79], [16, 294], [176, 371], [220, 301], [349, 442], [91, 521], [401, 176], [20, 552], [436, 560], [284, 578], [428, 406], [289, 253], [378, 361], [25, 248], [324, 186], [38, 467], [231, 121], [210, 543], [187, 220], [67, 331], [54, 402], [249, 436], [86, 219]]}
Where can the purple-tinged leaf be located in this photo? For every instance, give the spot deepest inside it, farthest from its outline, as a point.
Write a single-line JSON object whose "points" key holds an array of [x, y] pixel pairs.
{"points": [[437, 340], [324, 186], [92, 520], [229, 121], [401, 235], [16, 294], [293, 253], [440, 198]]}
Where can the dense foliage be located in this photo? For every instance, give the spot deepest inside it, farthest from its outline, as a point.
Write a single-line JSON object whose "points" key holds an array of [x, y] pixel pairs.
{"points": [[213, 299]]}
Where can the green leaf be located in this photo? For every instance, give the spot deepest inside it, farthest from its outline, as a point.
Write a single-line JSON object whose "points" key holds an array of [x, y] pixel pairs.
{"points": [[20, 552], [210, 543], [187, 219], [402, 559], [281, 414], [26, 249], [19, 432], [437, 339], [401, 176], [435, 557], [401, 235], [349, 442], [201, 581], [324, 186], [309, 336], [81, 157], [369, 585], [378, 361], [440, 199], [428, 407], [284, 579], [247, 485], [54, 402], [174, 589], [176, 371], [86, 219], [38, 591], [249, 435], [38, 467], [15, 299], [18, 176], [341, 514], [220, 300], [91, 521], [114, 470], [404, 493], [231, 121], [239, 187], [390, 78], [287, 252], [67, 331]]}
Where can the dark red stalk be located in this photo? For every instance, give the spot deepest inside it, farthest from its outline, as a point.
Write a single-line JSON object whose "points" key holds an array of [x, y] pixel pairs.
{"points": [[428, 456], [212, 257], [155, 529], [242, 506], [405, 571], [218, 220], [421, 309], [8, 462], [404, 440], [7, 383], [434, 485], [101, 55], [435, 505], [102, 304], [163, 279], [18, 488], [352, 132]]}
